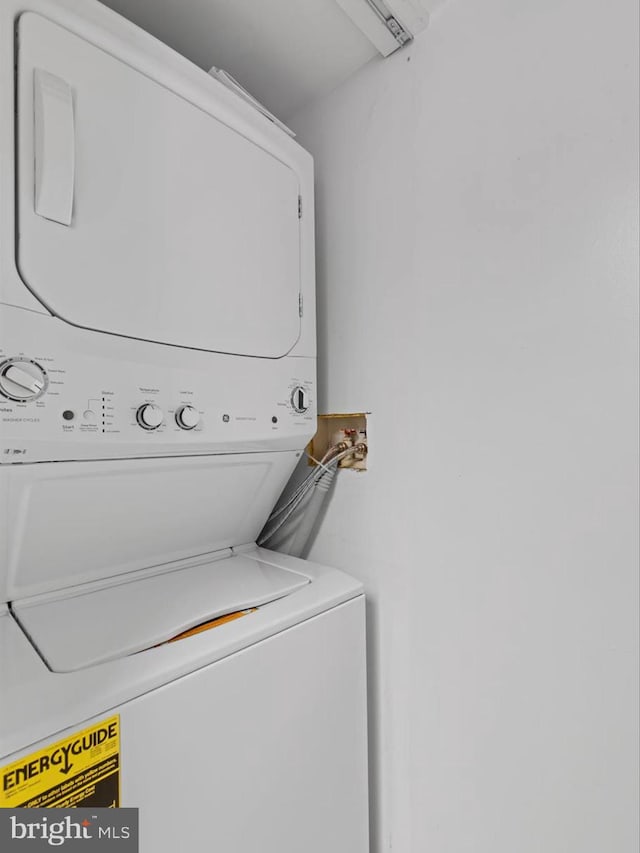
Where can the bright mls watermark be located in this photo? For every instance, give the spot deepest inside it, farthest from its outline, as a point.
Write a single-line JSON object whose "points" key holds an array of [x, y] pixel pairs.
{"points": [[69, 829]]}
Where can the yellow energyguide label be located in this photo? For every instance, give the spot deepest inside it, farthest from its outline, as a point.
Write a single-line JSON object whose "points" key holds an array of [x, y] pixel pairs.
{"points": [[81, 770]]}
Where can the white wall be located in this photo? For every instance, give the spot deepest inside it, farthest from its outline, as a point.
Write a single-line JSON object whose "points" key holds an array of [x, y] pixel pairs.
{"points": [[477, 244]]}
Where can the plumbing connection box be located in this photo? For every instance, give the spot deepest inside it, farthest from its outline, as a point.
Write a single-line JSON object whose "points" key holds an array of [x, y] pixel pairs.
{"points": [[333, 429]]}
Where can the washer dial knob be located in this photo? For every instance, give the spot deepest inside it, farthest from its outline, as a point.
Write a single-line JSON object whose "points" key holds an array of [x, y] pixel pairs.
{"points": [[187, 417], [299, 399], [22, 380], [150, 416]]}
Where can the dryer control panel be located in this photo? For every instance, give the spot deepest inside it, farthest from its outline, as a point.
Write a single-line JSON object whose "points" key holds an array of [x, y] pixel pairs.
{"points": [[57, 402]]}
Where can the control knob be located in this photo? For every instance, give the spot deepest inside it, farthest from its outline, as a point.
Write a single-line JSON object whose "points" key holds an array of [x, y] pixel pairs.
{"points": [[299, 399], [187, 417], [150, 416], [22, 380]]}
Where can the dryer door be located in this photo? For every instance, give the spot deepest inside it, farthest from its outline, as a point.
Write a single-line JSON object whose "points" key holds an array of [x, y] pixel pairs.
{"points": [[141, 214]]}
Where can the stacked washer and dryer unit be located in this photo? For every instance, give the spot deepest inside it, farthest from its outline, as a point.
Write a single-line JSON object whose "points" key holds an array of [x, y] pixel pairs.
{"points": [[157, 388]]}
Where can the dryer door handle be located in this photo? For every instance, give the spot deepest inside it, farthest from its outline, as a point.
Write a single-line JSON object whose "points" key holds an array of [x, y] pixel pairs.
{"points": [[54, 139]]}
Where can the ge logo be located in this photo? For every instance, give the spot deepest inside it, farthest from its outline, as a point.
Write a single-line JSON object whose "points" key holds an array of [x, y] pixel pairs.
{"points": [[226, 419]]}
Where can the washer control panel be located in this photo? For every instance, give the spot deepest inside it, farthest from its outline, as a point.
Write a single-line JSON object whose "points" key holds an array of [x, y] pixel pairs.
{"points": [[105, 397]]}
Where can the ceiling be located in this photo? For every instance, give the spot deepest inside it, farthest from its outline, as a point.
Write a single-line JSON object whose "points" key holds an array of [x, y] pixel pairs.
{"points": [[285, 52]]}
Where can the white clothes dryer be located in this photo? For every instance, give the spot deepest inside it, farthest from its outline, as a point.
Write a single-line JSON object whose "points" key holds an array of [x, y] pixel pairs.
{"points": [[156, 328]]}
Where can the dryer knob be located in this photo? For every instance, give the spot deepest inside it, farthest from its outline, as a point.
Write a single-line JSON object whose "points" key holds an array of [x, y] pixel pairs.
{"points": [[187, 417], [22, 380], [299, 399], [150, 416]]}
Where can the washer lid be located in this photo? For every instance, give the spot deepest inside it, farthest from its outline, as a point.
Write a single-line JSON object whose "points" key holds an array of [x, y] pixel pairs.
{"points": [[85, 628], [140, 213]]}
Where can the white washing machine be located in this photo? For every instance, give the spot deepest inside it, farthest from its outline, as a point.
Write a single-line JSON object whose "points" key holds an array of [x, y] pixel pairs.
{"points": [[157, 387]]}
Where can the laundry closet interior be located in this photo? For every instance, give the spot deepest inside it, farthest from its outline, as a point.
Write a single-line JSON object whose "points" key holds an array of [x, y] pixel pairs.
{"points": [[319, 423]]}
